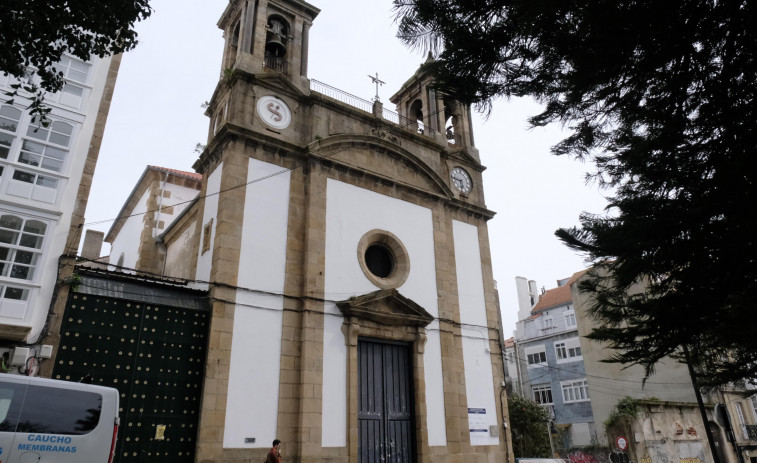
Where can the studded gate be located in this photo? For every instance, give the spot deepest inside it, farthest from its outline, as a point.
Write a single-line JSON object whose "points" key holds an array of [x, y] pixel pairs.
{"points": [[154, 355]]}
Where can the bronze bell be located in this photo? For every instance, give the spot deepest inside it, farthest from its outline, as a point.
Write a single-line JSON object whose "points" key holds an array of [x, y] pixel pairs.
{"points": [[276, 37], [274, 45]]}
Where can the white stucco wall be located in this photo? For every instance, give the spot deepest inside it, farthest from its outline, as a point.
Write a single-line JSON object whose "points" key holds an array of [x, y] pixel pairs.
{"points": [[350, 213], [264, 231], [479, 382], [204, 260], [253, 393], [180, 198], [177, 264], [127, 241]]}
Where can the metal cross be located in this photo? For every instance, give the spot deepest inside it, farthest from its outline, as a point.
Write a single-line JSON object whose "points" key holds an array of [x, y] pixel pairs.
{"points": [[377, 82]]}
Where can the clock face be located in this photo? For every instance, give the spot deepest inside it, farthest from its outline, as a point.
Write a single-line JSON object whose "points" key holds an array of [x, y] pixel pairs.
{"points": [[274, 112], [461, 180]]}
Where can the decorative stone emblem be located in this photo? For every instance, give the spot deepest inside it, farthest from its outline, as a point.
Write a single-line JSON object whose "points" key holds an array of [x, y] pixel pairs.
{"points": [[381, 133], [274, 112]]}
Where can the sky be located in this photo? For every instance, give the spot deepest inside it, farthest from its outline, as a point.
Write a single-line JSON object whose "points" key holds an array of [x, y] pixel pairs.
{"points": [[156, 118]]}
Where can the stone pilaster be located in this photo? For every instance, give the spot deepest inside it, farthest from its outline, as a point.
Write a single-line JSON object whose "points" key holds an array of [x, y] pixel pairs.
{"points": [[300, 401], [223, 278], [453, 368]]}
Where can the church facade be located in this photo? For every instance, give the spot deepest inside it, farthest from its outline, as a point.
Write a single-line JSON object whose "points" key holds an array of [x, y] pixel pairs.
{"points": [[346, 256]]}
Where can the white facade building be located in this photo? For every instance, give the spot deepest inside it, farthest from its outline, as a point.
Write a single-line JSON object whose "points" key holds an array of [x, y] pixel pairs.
{"points": [[45, 172]]}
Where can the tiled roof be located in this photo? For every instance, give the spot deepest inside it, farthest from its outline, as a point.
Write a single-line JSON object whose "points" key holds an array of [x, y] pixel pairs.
{"points": [[510, 342], [557, 296], [182, 173]]}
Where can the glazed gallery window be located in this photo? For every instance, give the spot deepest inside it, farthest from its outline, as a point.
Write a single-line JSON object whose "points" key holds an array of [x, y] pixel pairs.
{"points": [[568, 350], [12, 293], [35, 154], [74, 69], [575, 391], [542, 394], [9, 120], [42, 146], [20, 248], [46, 147]]}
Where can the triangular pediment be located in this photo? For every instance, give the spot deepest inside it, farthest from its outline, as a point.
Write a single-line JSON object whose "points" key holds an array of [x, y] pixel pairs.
{"points": [[386, 306]]}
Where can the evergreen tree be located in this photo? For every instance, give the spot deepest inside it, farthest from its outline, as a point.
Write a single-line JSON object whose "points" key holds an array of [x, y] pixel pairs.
{"points": [[661, 97], [34, 34], [529, 423]]}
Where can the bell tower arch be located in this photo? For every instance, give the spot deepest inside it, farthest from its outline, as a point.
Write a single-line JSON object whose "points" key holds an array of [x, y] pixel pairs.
{"points": [[430, 112], [268, 36]]}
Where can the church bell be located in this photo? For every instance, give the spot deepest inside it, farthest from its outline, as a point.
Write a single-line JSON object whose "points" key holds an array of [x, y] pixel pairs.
{"points": [[276, 38]]}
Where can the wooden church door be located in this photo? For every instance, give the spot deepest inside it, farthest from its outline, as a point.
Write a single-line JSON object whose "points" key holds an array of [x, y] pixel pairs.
{"points": [[385, 402]]}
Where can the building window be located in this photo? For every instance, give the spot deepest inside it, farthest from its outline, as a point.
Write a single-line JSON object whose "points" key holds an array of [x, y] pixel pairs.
{"points": [[20, 247], [543, 394], [44, 147], [33, 186], [740, 414], [12, 293], [50, 148], [383, 259], [753, 401], [570, 319], [537, 356], [575, 391], [568, 350], [74, 69], [9, 120], [207, 230], [71, 95], [548, 323]]}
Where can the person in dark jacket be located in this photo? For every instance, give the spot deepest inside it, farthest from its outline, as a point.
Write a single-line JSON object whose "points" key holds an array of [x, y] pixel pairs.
{"points": [[274, 456]]}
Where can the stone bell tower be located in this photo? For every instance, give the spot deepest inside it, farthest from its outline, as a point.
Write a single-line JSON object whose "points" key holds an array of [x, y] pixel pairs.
{"points": [[267, 36], [347, 260], [434, 113]]}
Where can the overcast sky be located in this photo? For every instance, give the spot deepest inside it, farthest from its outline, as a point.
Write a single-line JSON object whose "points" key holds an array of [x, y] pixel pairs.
{"points": [[156, 118]]}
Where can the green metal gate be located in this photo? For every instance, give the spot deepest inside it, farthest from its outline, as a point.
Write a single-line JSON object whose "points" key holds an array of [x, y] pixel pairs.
{"points": [[154, 354]]}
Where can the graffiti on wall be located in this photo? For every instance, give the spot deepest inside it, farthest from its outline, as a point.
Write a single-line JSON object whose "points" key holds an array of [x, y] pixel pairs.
{"points": [[592, 456]]}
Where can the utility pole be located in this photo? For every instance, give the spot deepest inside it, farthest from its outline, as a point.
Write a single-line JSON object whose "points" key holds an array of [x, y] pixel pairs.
{"points": [[702, 410]]}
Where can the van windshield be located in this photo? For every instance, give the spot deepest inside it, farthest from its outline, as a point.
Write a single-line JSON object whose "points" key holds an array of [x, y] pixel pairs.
{"points": [[48, 410]]}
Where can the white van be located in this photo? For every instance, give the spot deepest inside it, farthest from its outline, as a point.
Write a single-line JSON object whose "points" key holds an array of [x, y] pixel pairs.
{"points": [[49, 421]]}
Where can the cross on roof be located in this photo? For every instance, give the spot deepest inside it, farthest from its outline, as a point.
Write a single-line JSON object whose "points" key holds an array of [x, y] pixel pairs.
{"points": [[377, 82]]}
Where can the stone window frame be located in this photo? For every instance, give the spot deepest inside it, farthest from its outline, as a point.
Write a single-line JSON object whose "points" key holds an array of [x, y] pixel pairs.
{"points": [[207, 231], [401, 267]]}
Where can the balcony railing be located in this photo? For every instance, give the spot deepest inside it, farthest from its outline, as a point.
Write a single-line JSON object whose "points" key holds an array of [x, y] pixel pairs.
{"points": [[340, 95], [367, 106], [276, 63], [751, 432]]}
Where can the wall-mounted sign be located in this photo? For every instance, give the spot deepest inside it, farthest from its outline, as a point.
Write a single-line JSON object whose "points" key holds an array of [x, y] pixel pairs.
{"points": [[622, 443]]}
